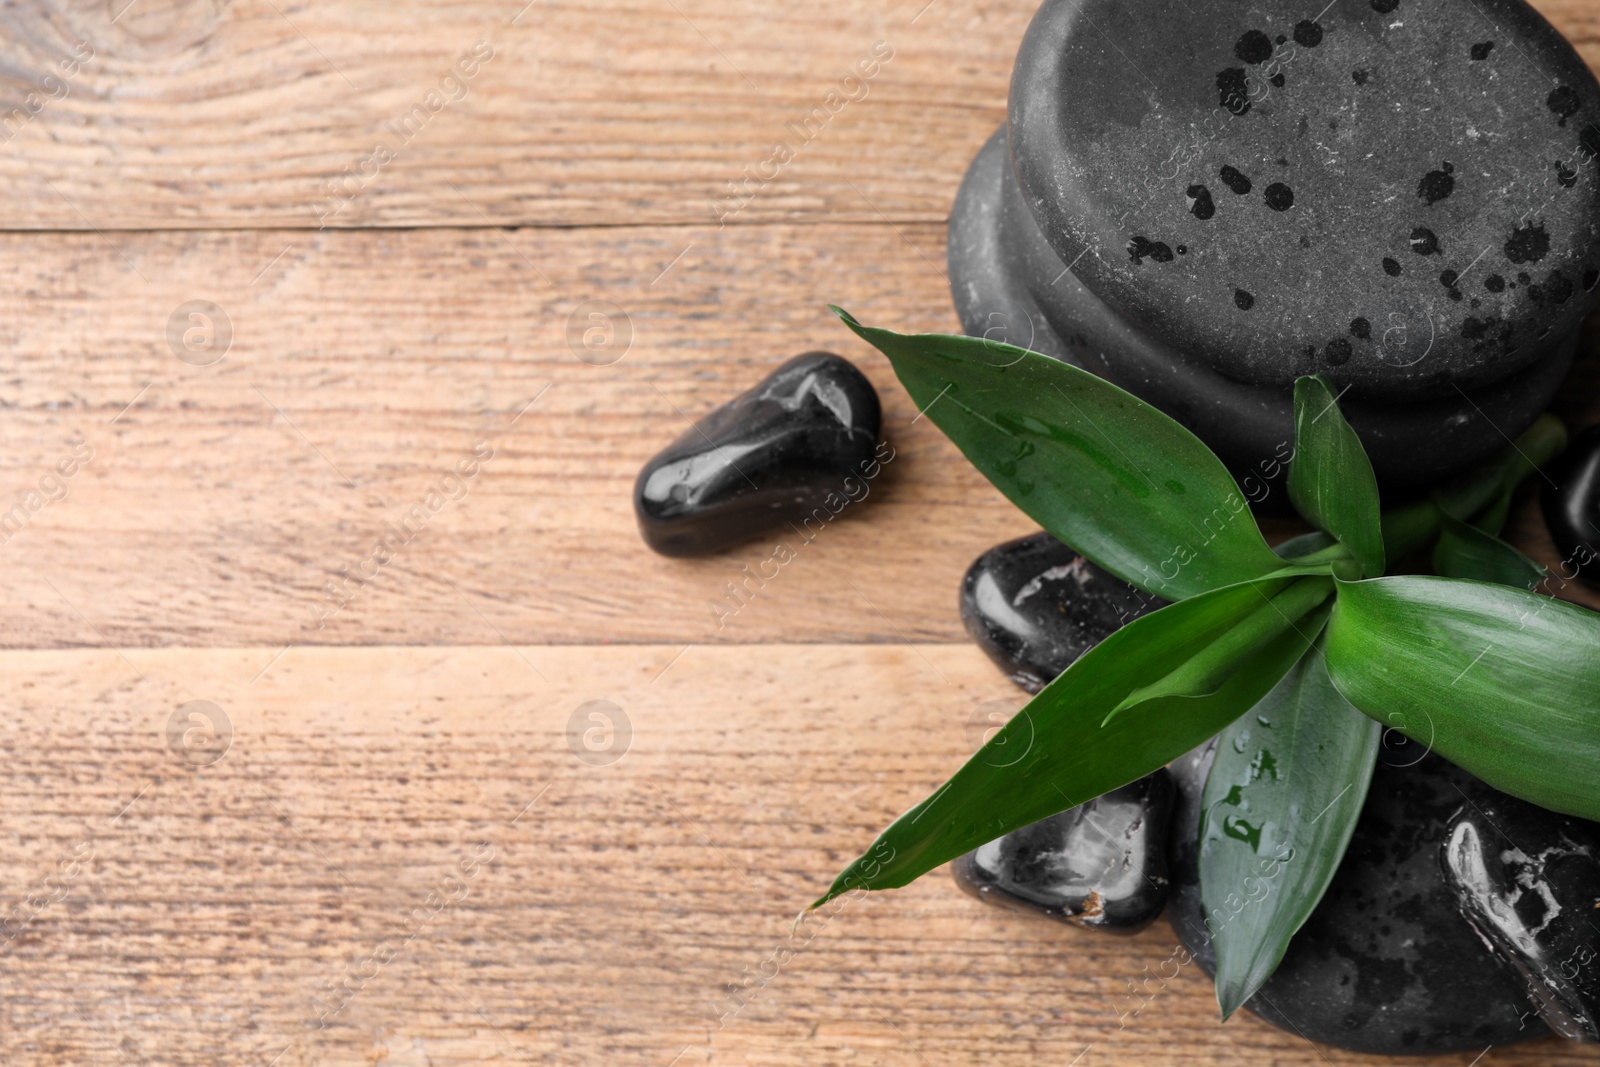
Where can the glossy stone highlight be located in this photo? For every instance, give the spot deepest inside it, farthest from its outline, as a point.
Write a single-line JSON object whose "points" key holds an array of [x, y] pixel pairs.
{"points": [[1102, 864], [1528, 880], [1034, 605], [802, 439], [1385, 964], [1572, 507]]}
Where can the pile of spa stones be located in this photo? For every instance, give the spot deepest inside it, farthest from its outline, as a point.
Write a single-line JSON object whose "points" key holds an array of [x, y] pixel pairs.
{"points": [[1461, 917]]}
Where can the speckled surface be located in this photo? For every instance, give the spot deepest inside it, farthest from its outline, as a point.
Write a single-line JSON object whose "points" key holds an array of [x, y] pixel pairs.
{"points": [[1275, 195], [1386, 963], [1009, 285]]}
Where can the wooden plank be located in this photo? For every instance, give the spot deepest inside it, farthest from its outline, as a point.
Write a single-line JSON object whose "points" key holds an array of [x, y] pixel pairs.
{"points": [[365, 366], [602, 913], [221, 500], [203, 114], [270, 114]]}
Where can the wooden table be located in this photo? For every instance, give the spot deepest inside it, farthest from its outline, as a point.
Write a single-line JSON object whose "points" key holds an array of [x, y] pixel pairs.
{"points": [[408, 855]]}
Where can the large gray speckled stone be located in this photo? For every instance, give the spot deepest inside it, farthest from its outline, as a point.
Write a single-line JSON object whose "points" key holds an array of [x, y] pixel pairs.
{"points": [[1273, 195], [1009, 285]]}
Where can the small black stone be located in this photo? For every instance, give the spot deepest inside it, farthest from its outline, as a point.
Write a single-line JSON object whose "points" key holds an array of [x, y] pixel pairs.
{"points": [[1337, 353], [1183, 250], [1361, 328], [1391, 267], [1360, 76], [1436, 185], [1528, 880], [802, 440], [1481, 51], [1522, 276], [1384, 964], [1280, 38], [1494, 283], [1308, 34], [1564, 101], [1279, 196], [1424, 242], [1102, 864], [1383, 7], [1234, 180], [1572, 508], [1140, 247], [1528, 243], [1034, 606], [1200, 203], [1254, 47], [1277, 80], [1242, 300]]}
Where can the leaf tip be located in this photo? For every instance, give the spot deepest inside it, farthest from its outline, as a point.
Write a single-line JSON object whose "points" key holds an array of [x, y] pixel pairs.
{"points": [[1230, 998]]}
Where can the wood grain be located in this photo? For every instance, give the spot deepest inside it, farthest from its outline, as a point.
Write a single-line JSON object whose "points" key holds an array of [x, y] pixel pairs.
{"points": [[273, 908], [365, 366], [210, 113], [240, 113], [604, 913]]}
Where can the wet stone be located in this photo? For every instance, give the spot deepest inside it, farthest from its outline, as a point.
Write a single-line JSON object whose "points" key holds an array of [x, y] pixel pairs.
{"points": [[804, 438], [1097, 167], [1385, 964], [1034, 606], [1571, 502], [1102, 864], [1528, 881]]}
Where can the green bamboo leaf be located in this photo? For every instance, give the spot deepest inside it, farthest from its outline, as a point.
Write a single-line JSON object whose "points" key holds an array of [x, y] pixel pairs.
{"points": [[1331, 482], [1207, 671], [1501, 682], [1465, 551], [1483, 495], [1054, 754], [1279, 806], [1305, 544], [1095, 466]]}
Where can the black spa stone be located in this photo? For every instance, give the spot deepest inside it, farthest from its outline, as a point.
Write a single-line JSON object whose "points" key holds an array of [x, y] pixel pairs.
{"points": [[1396, 152], [1528, 880], [1035, 605], [803, 438], [1571, 502], [1102, 864], [1385, 964]]}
